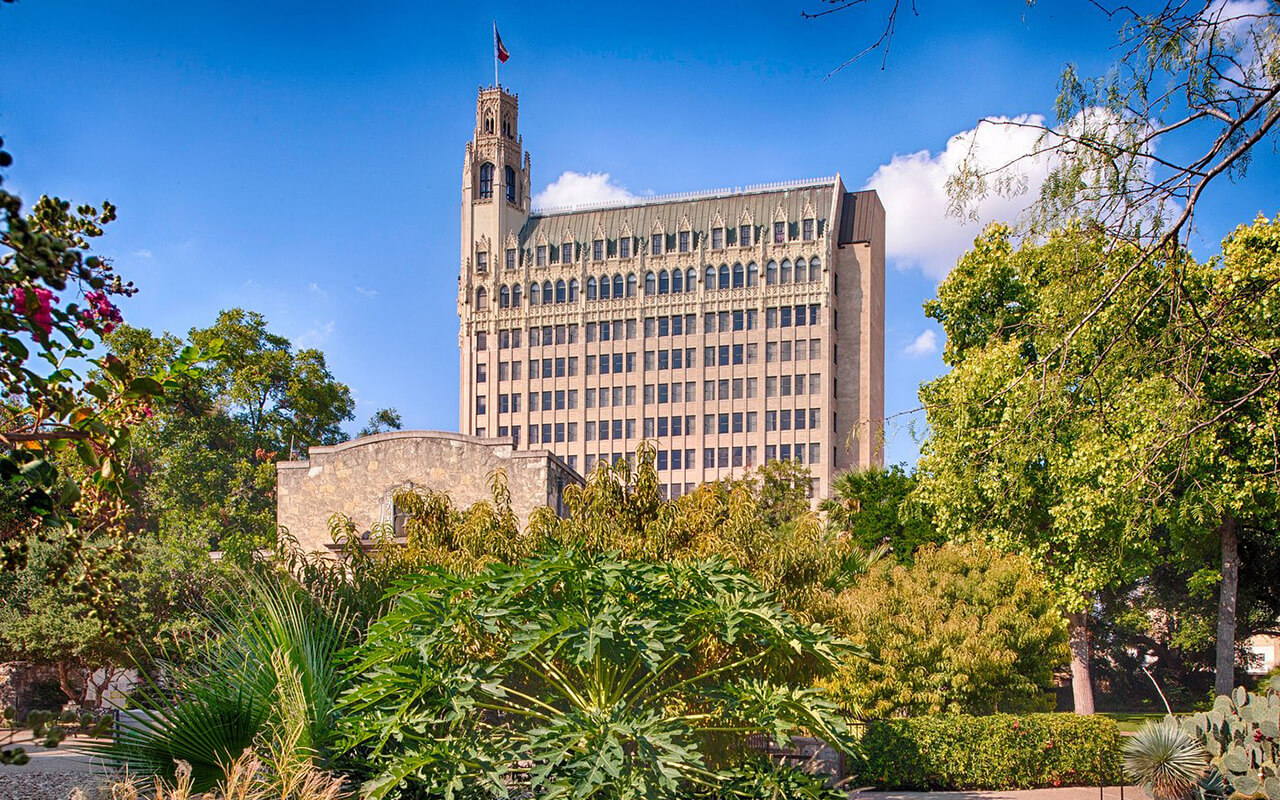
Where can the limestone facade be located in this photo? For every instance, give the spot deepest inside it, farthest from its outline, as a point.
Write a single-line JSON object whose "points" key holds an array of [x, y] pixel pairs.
{"points": [[729, 327], [359, 478]]}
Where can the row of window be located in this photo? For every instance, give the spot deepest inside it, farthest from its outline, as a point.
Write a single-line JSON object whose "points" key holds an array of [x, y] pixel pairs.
{"points": [[511, 182], [655, 283], [617, 330], [663, 243]]}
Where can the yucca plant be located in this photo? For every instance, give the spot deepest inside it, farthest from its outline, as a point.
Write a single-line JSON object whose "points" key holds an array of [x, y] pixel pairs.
{"points": [[1166, 761], [272, 662]]}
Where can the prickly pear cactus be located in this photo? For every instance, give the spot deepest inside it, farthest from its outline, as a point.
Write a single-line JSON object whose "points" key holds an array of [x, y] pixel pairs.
{"points": [[1242, 735]]}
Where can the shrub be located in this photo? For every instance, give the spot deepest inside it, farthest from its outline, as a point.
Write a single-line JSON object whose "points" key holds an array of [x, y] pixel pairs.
{"points": [[1000, 751], [1165, 760], [582, 674], [963, 630]]}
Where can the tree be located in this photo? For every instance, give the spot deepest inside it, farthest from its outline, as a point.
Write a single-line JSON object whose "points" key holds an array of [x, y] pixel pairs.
{"points": [[873, 508], [63, 438], [1092, 458], [206, 457], [384, 419], [962, 630]]}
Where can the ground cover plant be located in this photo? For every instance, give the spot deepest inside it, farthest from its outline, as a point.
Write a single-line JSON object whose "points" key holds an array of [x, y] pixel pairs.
{"points": [[582, 675]]}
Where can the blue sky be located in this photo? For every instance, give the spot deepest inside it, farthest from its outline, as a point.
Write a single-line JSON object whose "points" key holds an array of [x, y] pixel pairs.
{"points": [[304, 159]]}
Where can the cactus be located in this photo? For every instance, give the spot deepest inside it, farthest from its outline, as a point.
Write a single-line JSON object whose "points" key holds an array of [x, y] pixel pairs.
{"points": [[1242, 735]]}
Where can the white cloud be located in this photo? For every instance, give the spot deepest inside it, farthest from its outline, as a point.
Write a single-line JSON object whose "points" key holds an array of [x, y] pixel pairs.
{"points": [[315, 337], [577, 188], [370, 293], [315, 288], [918, 232], [926, 344], [143, 253]]}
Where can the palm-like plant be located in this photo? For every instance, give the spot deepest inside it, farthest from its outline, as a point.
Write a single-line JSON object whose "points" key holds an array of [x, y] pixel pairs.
{"points": [[1165, 760], [584, 675], [271, 667]]}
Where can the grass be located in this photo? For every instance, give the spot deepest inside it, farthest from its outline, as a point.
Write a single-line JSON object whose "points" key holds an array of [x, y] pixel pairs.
{"points": [[1131, 721]]}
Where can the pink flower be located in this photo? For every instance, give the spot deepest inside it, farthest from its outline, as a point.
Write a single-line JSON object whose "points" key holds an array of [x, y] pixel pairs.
{"points": [[40, 315]]}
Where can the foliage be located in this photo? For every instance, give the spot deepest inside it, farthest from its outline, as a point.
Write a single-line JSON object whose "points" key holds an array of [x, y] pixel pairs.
{"points": [[382, 420], [620, 509], [873, 507], [63, 438], [1242, 737], [43, 620], [611, 678], [207, 456], [272, 667], [763, 780], [1165, 760], [999, 751], [964, 629]]}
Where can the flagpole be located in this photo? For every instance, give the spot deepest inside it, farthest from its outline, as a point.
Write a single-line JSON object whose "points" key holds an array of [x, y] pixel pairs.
{"points": [[495, 54]]}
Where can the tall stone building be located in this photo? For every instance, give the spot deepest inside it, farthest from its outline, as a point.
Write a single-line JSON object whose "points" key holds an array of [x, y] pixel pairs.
{"points": [[729, 327]]}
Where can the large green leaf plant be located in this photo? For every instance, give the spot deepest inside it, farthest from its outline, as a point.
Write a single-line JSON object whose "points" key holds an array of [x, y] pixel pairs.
{"points": [[580, 675]]}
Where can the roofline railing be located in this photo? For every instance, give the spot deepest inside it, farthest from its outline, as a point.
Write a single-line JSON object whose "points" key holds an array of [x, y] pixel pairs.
{"points": [[678, 197]]}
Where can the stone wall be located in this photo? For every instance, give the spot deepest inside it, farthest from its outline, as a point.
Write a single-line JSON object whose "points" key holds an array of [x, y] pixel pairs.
{"points": [[358, 478], [19, 681]]}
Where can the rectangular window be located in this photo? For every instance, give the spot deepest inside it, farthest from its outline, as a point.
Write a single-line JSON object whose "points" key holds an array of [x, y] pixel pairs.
{"points": [[770, 352], [655, 244], [617, 362], [784, 352], [511, 258], [664, 359], [631, 395], [771, 386], [786, 386], [677, 425], [785, 420], [515, 338], [815, 348], [684, 241], [815, 453], [504, 405], [717, 238], [482, 373], [648, 394], [739, 320], [624, 247], [752, 383], [722, 423], [546, 433], [806, 230], [815, 383], [573, 366], [744, 236], [617, 429], [677, 359], [664, 393], [722, 389], [617, 395], [533, 434], [800, 384], [631, 329], [737, 423], [779, 232], [573, 398], [771, 318], [481, 406], [724, 321], [482, 262], [675, 462], [751, 422], [784, 317], [737, 456], [559, 432], [708, 457], [597, 250], [566, 252], [709, 322], [504, 370], [560, 399], [722, 457], [662, 460], [770, 452], [724, 355], [560, 362], [738, 354], [547, 365], [664, 326], [546, 401], [541, 255], [770, 421], [750, 460], [648, 427], [708, 357]]}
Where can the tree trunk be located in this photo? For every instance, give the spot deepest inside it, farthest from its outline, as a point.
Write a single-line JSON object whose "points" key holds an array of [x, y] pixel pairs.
{"points": [[1081, 674], [1228, 593]]}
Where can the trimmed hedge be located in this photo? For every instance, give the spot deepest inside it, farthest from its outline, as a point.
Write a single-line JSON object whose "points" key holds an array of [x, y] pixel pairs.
{"points": [[1000, 751]]}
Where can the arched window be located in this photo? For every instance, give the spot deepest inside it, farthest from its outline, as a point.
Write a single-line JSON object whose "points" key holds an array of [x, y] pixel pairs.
{"points": [[617, 285], [482, 298], [802, 271], [677, 281], [515, 296], [535, 294], [739, 276], [771, 273], [486, 178], [591, 288], [573, 290], [753, 274], [504, 297], [604, 287], [547, 297], [510, 175], [664, 282], [561, 291], [631, 284], [815, 269], [691, 281], [488, 123], [784, 274], [709, 282], [724, 276], [650, 284]]}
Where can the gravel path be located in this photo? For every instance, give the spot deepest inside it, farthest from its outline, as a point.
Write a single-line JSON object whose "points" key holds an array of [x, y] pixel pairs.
{"points": [[54, 773]]}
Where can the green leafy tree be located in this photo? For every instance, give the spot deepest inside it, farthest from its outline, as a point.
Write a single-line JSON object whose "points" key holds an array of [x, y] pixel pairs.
{"points": [[207, 455], [383, 420], [873, 508], [608, 678], [1096, 458], [962, 630]]}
